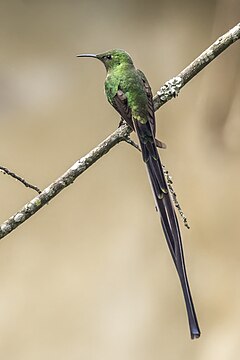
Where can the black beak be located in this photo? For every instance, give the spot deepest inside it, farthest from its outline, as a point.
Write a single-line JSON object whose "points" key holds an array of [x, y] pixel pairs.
{"points": [[87, 55]]}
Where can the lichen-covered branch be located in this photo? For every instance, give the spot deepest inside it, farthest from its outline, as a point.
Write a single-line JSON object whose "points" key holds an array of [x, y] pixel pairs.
{"points": [[169, 90], [172, 87], [63, 181]]}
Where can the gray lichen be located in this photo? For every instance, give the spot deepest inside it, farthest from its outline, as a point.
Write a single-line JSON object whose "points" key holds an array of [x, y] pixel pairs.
{"points": [[170, 89], [5, 228], [19, 217]]}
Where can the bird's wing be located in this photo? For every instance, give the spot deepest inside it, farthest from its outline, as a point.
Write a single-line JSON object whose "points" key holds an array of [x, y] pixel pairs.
{"points": [[120, 103], [148, 90], [146, 135]]}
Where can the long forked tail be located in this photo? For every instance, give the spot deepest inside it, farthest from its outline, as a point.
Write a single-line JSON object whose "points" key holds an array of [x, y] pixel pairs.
{"points": [[172, 234], [167, 214]]}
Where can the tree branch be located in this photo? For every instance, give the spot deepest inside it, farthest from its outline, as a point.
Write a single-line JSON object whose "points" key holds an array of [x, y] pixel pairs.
{"points": [[6, 171], [169, 90], [63, 181], [172, 87]]}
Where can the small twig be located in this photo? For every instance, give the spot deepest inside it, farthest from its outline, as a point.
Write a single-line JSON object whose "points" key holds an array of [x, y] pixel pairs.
{"points": [[174, 196], [131, 142], [169, 183], [169, 90], [6, 171]]}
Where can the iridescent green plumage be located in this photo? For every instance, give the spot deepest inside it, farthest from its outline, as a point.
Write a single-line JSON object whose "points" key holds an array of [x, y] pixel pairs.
{"points": [[123, 76], [129, 92]]}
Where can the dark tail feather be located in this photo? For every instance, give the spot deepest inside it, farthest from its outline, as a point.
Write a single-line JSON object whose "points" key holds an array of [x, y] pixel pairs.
{"points": [[173, 237], [168, 217]]}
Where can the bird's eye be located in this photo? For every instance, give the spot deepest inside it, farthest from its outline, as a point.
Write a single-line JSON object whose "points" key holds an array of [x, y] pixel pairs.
{"points": [[109, 57]]}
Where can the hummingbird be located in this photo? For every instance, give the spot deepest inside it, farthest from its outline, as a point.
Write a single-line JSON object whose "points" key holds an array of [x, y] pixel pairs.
{"points": [[128, 91]]}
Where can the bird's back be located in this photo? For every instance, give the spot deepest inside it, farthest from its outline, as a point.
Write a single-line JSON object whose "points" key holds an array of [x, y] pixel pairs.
{"points": [[128, 80]]}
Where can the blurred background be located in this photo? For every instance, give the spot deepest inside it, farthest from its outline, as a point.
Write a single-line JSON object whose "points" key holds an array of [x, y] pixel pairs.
{"points": [[90, 276]]}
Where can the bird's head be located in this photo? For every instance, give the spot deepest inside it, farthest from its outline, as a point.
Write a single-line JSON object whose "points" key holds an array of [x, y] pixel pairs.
{"points": [[112, 58]]}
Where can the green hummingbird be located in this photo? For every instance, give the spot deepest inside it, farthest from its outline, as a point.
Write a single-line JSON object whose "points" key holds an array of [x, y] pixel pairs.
{"points": [[129, 92]]}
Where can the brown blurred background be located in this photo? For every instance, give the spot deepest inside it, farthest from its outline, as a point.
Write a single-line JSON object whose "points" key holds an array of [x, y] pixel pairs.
{"points": [[89, 276]]}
